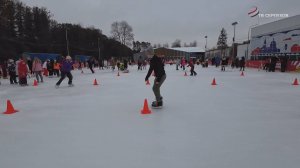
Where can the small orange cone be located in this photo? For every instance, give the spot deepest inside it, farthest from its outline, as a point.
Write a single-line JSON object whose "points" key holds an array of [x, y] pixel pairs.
{"points": [[242, 74], [146, 109], [147, 83], [95, 82], [296, 82], [35, 83], [10, 108], [214, 83], [185, 74]]}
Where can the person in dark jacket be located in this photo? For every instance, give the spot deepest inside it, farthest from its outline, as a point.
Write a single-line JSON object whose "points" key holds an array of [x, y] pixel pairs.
{"points": [[12, 71], [91, 63], [191, 64], [4, 69], [157, 65], [50, 67], [273, 64], [242, 64], [224, 63], [284, 62], [66, 69]]}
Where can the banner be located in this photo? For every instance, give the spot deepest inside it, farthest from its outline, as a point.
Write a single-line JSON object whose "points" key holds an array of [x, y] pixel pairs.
{"points": [[287, 42]]}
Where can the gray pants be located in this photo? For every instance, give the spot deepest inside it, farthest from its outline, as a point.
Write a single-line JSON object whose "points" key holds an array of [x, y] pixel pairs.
{"points": [[38, 75], [156, 87]]}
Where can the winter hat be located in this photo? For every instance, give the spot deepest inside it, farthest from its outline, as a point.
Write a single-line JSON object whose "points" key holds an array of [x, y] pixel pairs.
{"points": [[68, 57]]}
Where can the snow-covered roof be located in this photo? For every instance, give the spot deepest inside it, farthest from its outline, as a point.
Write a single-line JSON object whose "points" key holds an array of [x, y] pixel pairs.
{"points": [[189, 49]]}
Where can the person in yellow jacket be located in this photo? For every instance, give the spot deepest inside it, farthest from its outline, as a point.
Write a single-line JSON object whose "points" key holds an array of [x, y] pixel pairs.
{"points": [[56, 68]]}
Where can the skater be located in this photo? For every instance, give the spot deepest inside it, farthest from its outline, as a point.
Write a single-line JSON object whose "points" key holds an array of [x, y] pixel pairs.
{"points": [[157, 65], [45, 71], [56, 68], [183, 62], [37, 69], [66, 71], [224, 63], [50, 68], [125, 62], [177, 64], [140, 62], [90, 63], [118, 64], [191, 64], [23, 71], [113, 64], [4, 69], [242, 64], [12, 72]]}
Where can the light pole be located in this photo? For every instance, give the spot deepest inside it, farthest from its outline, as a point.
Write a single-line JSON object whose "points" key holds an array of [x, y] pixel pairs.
{"points": [[249, 40], [205, 43], [67, 41], [205, 46], [233, 24]]}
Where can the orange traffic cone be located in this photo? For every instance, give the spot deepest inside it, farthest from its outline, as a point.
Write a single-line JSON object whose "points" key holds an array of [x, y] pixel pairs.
{"points": [[147, 83], [296, 82], [214, 82], [146, 109], [185, 74], [35, 83], [95, 82], [242, 74], [10, 108]]}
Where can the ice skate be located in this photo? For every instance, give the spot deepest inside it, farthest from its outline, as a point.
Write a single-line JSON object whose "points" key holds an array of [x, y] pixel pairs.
{"points": [[157, 104]]}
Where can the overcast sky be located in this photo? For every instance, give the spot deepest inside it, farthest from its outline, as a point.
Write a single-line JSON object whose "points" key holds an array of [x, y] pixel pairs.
{"points": [[163, 21]]}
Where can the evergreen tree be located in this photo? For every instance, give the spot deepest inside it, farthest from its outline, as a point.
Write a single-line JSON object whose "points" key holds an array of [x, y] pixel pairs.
{"points": [[222, 41]]}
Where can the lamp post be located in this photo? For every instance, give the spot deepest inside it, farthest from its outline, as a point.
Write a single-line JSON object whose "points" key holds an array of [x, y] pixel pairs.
{"points": [[205, 46], [249, 40], [205, 43], [233, 24]]}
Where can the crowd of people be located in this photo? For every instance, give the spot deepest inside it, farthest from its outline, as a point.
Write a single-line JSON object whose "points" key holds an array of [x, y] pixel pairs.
{"points": [[18, 71]]}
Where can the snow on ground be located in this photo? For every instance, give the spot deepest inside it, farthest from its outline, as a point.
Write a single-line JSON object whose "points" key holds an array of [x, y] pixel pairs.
{"points": [[251, 121]]}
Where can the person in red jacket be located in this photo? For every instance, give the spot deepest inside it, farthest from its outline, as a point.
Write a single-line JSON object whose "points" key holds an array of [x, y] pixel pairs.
{"points": [[23, 71]]}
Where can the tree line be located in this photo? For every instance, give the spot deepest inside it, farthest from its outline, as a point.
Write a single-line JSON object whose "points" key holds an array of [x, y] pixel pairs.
{"points": [[32, 29]]}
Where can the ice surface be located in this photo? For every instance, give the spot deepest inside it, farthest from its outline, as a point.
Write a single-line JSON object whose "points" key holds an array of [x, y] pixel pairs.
{"points": [[243, 122]]}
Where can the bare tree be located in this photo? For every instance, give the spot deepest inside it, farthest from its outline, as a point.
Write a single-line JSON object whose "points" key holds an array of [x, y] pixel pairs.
{"points": [[122, 32], [193, 44], [176, 43]]}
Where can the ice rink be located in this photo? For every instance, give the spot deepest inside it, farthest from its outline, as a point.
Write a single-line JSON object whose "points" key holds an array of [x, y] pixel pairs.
{"points": [[243, 122]]}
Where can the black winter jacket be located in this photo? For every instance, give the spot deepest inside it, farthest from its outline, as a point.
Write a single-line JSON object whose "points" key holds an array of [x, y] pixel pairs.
{"points": [[157, 66]]}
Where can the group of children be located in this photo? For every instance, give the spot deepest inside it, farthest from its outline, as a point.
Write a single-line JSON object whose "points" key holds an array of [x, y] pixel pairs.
{"points": [[183, 62], [24, 68]]}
